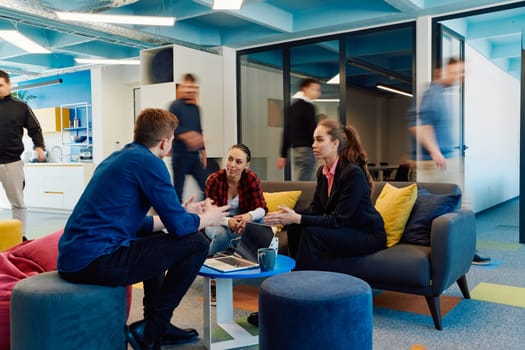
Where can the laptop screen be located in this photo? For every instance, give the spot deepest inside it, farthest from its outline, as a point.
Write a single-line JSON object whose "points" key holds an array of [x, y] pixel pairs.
{"points": [[255, 236]]}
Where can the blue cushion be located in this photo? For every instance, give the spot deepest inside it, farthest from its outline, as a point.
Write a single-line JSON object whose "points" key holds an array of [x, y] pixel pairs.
{"points": [[315, 310], [428, 206]]}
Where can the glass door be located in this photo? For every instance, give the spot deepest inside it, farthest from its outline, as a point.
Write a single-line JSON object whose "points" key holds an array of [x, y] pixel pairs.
{"points": [[451, 47]]}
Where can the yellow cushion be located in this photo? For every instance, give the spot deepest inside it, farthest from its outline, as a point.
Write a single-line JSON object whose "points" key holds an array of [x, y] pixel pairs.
{"points": [[395, 204], [287, 198], [10, 233]]}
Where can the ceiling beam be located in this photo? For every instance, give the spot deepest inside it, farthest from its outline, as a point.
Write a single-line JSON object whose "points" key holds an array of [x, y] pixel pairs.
{"points": [[55, 60], [406, 5], [506, 50], [494, 28]]}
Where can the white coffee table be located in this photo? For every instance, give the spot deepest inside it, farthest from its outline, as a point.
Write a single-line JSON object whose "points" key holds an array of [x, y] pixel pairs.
{"points": [[224, 302]]}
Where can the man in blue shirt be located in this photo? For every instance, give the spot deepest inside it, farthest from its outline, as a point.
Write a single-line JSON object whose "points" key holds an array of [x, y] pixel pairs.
{"points": [[189, 154], [433, 129], [110, 240]]}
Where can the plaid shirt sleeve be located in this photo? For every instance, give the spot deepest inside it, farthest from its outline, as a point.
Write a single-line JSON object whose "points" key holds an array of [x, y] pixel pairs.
{"points": [[215, 189], [250, 193]]}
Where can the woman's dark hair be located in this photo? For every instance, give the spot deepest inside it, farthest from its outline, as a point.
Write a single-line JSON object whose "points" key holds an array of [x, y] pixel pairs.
{"points": [[245, 149], [350, 148]]}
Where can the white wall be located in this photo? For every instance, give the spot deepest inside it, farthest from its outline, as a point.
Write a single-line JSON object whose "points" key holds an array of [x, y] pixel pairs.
{"points": [[112, 101], [492, 125]]}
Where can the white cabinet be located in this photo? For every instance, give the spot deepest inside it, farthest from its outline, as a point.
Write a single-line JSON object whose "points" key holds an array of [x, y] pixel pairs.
{"points": [[52, 119], [55, 186], [157, 95]]}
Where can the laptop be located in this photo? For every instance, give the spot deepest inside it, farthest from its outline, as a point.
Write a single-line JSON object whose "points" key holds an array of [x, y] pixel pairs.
{"points": [[244, 257]]}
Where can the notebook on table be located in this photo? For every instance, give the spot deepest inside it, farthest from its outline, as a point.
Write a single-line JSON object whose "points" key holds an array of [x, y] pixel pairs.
{"points": [[244, 257]]}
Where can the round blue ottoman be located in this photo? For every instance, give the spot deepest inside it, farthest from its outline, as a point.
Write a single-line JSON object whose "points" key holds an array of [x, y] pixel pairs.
{"points": [[49, 313], [315, 310]]}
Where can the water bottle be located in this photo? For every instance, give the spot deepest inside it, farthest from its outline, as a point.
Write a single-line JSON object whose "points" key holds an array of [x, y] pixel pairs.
{"points": [[275, 244]]}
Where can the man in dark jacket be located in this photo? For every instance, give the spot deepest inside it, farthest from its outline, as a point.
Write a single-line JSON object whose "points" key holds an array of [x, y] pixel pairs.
{"points": [[299, 129], [16, 115]]}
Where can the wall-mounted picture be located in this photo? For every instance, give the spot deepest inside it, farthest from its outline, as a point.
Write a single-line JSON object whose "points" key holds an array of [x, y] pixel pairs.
{"points": [[275, 113]]}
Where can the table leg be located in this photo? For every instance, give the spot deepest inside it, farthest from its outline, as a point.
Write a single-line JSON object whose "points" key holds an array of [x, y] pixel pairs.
{"points": [[207, 313], [224, 316], [224, 298]]}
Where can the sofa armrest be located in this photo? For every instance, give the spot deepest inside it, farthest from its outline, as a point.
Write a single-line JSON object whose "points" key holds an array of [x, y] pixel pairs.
{"points": [[453, 243]]}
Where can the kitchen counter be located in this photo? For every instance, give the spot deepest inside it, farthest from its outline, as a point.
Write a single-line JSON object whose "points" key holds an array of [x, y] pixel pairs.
{"points": [[59, 164]]}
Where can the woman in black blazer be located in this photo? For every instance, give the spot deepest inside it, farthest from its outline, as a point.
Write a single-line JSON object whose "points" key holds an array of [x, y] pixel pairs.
{"points": [[341, 219]]}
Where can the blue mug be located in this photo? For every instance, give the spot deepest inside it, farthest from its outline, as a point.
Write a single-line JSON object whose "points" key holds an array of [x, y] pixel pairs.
{"points": [[266, 258]]}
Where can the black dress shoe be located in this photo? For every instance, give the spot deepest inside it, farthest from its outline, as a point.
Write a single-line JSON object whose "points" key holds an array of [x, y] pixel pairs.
{"points": [[253, 319], [135, 337], [175, 335]]}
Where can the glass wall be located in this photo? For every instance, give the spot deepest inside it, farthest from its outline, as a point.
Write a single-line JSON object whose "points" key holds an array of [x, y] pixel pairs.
{"points": [[261, 106], [379, 76], [270, 76]]}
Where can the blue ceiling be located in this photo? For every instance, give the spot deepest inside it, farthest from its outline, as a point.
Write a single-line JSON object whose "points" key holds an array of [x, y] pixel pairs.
{"points": [[258, 22]]}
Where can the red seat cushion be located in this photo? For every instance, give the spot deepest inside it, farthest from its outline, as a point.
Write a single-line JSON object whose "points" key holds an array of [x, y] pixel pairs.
{"points": [[21, 261]]}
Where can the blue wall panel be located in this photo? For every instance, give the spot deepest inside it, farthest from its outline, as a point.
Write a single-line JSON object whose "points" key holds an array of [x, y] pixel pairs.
{"points": [[75, 87]]}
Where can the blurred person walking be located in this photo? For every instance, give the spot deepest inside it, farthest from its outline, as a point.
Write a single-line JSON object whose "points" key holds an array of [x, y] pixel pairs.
{"points": [[189, 153], [434, 133], [298, 130]]}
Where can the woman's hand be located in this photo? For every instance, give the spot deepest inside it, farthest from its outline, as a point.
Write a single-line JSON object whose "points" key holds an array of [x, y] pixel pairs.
{"points": [[240, 222], [284, 216], [234, 225]]}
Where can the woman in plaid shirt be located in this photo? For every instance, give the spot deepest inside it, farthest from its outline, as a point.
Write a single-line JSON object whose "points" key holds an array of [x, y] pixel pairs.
{"points": [[240, 188]]}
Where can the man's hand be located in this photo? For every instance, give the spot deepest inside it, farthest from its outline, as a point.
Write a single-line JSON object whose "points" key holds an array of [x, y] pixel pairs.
{"points": [[212, 215], [40, 154], [193, 140], [281, 162], [439, 160], [197, 207], [204, 159]]}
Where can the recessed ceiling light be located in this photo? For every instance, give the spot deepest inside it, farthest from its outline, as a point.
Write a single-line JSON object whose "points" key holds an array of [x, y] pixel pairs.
{"points": [[118, 19], [106, 61], [16, 38], [227, 4], [334, 79], [394, 90]]}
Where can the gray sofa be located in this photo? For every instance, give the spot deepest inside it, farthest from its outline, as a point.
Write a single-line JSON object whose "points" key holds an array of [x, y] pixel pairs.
{"points": [[407, 268]]}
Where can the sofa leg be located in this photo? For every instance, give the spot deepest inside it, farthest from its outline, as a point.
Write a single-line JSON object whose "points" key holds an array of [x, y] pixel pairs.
{"points": [[463, 286], [435, 310]]}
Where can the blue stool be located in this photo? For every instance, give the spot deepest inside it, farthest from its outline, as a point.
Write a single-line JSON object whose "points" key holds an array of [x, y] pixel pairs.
{"points": [[315, 310], [49, 313]]}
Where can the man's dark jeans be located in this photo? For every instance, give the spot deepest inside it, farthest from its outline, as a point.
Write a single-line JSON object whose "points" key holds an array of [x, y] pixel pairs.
{"points": [[187, 164], [167, 265]]}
